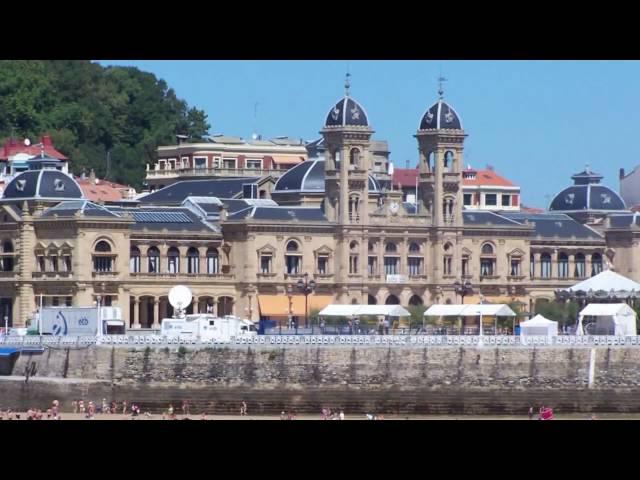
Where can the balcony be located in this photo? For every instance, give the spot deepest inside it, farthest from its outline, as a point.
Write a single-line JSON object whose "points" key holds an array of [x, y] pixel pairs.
{"points": [[105, 275], [51, 275], [213, 172], [179, 276], [8, 274]]}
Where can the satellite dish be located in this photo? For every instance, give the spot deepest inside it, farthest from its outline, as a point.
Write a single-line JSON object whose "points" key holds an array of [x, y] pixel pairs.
{"points": [[27, 142], [180, 297]]}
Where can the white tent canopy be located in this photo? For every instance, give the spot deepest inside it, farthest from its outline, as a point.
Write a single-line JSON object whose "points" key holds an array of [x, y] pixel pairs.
{"points": [[607, 281], [618, 318], [470, 310], [358, 310], [539, 325]]}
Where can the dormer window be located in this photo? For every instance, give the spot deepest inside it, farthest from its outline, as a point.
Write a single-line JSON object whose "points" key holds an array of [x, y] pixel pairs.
{"points": [[20, 184], [58, 185]]}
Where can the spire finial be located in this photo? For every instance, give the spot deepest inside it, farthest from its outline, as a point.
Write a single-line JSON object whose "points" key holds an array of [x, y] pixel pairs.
{"points": [[347, 82], [587, 168], [441, 80]]}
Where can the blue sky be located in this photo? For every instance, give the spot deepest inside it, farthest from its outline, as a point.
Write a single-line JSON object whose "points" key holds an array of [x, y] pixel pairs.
{"points": [[536, 122]]}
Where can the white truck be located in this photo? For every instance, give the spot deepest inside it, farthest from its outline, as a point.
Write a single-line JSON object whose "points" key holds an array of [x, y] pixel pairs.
{"points": [[79, 321], [207, 327]]}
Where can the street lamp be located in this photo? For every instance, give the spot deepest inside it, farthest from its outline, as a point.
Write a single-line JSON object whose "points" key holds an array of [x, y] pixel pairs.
{"points": [[98, 300], [290, 312], [463, 289], [306, 287]]}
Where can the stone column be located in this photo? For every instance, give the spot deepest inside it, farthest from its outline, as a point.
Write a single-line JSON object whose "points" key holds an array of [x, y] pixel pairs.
{"points": [[202, 261], [156, 313], [136, 312], [536, 263], [572, 265], [196, 304], [587, 264]]}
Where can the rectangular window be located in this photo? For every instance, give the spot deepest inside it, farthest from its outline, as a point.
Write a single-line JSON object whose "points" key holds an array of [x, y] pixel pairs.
{"points": [[292, 264], [66, 263], [506, 200], [447, 265], [545, 267], [213, 264], [68, 301], [193, 264], [467, 199], [200, 162], [254, 164], [323, 262], [391, 265], [486, 267], [465, 266], [185, 162], [373, 265], [515, 267], [353, 263], [415, 266], [229, 163], [265, 264], [532, 266], [102, 264], [41, 264], [54, 263], [490, 199], [171, 164], [217, 162], [563, 268], [55, 301], [161, 164]]}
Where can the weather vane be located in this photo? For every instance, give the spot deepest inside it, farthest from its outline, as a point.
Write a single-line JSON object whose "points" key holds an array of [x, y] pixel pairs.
{"points": [[347, 82], [441, 80]]}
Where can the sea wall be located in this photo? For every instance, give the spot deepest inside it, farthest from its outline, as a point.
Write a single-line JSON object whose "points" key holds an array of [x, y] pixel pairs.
{"points": [[405, 379]]}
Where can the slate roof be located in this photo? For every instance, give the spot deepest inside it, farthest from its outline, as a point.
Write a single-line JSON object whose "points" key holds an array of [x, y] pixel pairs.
{"points": [[176, 193], [72, 207], [302, 214], [170, 218]]}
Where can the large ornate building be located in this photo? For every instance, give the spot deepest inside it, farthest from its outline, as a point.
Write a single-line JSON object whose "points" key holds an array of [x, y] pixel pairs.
{"points": [[326, 217]]}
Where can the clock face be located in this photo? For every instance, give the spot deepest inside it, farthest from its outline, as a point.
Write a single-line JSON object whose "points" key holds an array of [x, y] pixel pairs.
{"points": [[394, 207]]}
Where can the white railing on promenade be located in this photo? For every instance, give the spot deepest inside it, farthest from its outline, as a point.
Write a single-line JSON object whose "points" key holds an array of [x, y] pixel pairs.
{"points": [[325, 340]]}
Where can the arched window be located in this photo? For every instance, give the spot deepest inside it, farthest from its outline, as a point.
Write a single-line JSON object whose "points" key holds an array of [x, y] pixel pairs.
{"points": [[153, 260], [293, 259], [431, 157], [414, 261], [354, 158], [225, 306], [371, 300], [448, 161], [532, 266], [580, 270], [487, 261], [354, 259], [447, 260], [545, 265], [596, 264], [134, 259], [103, 260], [391, 260], [371, 246], [416, 300], [447, 247], [102, 247], [353, 246], [354, 208], [563, 265], [7, 246], [392, 300], [213, 263], [487, 249], [173, 260], [193, 260]]}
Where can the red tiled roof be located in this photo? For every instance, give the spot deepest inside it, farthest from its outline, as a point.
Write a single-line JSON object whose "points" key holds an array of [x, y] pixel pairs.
{"points": [[102, 191], [406, 177], [13, 146], [486, 177], [524, 209]]}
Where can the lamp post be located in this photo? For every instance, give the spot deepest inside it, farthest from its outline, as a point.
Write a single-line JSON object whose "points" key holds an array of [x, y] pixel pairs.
{"points": [[306, 287], [289, 312], [98, 300], [463, 288]]}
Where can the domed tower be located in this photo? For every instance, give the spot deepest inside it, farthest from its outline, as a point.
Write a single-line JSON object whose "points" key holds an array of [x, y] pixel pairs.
{"points": [[440, 143], [347, 137]]}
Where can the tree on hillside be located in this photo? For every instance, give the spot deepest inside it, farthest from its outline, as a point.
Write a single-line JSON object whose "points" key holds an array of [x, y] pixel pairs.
{"points": [[93, 113]]}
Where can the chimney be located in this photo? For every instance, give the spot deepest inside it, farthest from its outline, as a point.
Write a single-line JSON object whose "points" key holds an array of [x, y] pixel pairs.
{"points": [[46, 140], [621, 173], [92, 176]]}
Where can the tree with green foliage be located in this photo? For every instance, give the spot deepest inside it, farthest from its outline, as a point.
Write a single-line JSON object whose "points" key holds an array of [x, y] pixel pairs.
{"points": [[563, 313], [109, 119]]}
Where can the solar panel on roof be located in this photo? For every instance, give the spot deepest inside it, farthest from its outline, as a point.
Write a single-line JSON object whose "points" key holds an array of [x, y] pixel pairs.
{"points": [[161, 217]]}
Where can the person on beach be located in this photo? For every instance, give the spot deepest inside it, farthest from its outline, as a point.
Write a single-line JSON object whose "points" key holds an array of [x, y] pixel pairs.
{"points": [[243, 409]]}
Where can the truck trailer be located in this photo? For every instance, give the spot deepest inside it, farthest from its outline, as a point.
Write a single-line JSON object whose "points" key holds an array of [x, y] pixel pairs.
{"points": [[79, 321]]}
